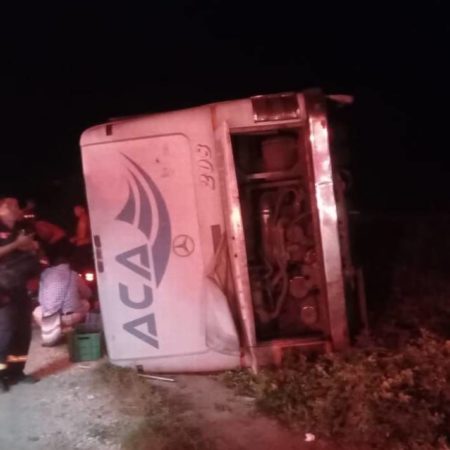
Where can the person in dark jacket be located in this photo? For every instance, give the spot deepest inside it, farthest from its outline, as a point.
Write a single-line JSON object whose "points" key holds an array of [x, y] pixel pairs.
{"points": [[17, 263]]}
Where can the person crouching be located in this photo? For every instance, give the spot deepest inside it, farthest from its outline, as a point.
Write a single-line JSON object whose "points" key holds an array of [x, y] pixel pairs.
{"points": [[63, 300]]}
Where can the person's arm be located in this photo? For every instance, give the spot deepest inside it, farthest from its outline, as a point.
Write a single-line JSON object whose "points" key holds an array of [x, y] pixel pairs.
{"points": [[8, 248], [48, 232], [82, 236], [23, 242]]}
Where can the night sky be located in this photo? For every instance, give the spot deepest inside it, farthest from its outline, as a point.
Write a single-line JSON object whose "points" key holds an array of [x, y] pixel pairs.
{"points": [[70, 66]]}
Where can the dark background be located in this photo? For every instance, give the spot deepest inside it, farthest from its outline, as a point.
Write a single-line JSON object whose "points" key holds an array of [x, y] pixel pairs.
{"points": [[71, 65]]}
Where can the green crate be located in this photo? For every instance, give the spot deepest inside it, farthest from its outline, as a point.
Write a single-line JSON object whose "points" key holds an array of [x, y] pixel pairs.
{"points": [[85, 345]]}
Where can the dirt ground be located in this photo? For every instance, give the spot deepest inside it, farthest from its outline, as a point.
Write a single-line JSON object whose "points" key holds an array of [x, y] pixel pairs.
{"points": [[66, 411]]}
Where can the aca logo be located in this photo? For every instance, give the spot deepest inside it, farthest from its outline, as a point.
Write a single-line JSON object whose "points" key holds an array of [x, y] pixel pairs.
{"points": [[146, 212]]}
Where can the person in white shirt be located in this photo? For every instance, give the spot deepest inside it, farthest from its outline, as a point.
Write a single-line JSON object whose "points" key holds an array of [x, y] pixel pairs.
{"points": [[63, 300]]}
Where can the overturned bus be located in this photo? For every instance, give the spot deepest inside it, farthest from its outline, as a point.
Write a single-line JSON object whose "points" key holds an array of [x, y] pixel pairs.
{"points": [[220, 234]]}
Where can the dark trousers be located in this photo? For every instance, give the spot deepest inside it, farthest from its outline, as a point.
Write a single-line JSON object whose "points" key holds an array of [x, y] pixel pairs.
{"points": [[22, 323], [15, 327], [6, 330]]}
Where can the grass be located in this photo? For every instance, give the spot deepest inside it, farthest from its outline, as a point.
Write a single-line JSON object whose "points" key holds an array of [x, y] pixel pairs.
{"points": [[373, 397], [165, 433], [156, 422], [393, 392]]}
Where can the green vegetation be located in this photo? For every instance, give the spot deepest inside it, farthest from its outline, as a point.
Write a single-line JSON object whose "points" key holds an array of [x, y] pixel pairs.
{"points": [[391, 391], [378, 397]]}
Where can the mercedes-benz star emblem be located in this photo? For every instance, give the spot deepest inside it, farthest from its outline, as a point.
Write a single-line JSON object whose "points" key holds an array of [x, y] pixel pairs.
{"points": [[183, 245]]}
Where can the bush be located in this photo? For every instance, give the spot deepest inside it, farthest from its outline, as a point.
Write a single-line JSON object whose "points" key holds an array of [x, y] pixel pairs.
{"points": [[395, 392], [382, 398], [406, 264]]}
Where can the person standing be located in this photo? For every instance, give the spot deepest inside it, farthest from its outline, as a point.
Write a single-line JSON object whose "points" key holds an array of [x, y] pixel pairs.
{"points": [[82, 256], [18, 262]]}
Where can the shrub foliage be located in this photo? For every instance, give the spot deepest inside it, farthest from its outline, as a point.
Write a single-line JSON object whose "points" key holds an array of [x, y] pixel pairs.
{"points": [[379, 397], [393, 392]]}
